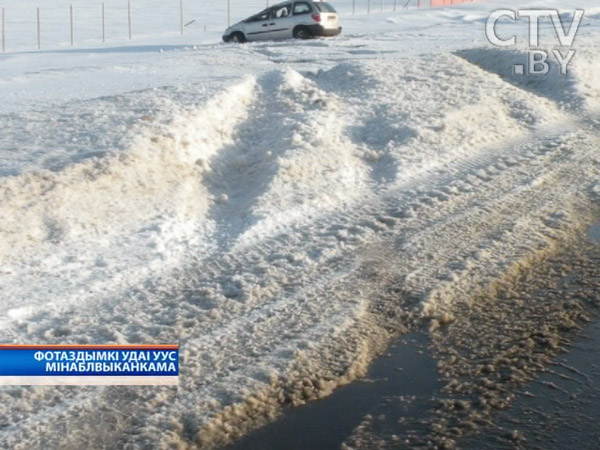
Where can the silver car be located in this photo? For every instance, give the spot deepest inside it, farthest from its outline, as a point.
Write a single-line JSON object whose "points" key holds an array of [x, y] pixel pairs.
{"points": [[300, 20]]}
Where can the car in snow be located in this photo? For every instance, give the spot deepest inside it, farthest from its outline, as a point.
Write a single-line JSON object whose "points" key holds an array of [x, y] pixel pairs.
{"points": [[301, 20]]}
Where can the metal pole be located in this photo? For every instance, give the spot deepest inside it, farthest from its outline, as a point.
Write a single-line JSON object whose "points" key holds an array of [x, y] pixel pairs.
{"points": [[103, 23], [228, 12], [38, 30], [353, 7], [382, 5], [72, 30], [181, 15], [129, 18], [395, 1], [3, 32], [369, 7]]}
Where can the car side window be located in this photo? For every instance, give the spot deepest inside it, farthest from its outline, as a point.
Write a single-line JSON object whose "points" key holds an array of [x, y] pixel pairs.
{"points": [[259, 17], [302, 8], [281, 12]]}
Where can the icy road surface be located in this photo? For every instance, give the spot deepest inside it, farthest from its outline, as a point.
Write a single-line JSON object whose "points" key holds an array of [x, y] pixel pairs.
{"points": [[279, 209]]}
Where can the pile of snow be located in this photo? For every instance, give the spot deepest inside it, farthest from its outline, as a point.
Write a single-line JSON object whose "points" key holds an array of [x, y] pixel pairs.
{"points": [[555, 86], [122, 213]]}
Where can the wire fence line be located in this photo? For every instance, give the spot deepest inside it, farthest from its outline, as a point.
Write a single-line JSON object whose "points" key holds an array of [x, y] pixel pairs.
{"points": [[25, 25]]}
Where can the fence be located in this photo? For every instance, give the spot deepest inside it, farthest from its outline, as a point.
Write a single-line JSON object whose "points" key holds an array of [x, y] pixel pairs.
{"points": [[26, 25]]}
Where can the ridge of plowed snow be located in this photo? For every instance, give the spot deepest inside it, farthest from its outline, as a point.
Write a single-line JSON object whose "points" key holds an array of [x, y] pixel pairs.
{"points": [[129, 212]]}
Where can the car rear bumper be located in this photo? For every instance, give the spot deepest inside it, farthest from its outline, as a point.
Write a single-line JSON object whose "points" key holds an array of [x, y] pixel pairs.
{"points": [[320, 30]]}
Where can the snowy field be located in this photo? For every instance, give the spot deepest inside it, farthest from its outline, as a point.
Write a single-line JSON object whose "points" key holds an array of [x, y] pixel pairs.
{"points": [[268, 206]]}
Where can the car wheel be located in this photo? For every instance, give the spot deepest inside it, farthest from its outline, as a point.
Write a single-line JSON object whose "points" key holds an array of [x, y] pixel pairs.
{"points": [[302, 33], [238, 37]]}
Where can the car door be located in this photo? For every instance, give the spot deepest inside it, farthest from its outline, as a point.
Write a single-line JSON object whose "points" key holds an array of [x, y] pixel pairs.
{"points": [[258, 27], [282, 22]]}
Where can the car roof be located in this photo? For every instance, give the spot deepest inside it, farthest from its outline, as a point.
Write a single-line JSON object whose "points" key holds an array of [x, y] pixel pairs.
{"points": [[292, 1], [289, 2]]}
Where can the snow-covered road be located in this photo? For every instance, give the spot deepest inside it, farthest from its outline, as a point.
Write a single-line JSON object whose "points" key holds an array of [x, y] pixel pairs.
{"points": [[281, 210]]}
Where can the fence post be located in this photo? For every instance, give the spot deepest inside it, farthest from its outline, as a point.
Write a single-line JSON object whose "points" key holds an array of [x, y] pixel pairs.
{"points": [[3, 33], [368, 6], [382, 5], [129, 18], [228, 12], [72, 30], [353, 7], [181, 15], [38, 30], [396, 1], [103, 23]]}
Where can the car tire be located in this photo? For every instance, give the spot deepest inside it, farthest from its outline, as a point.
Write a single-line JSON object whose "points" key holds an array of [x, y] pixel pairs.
{"points": [[302, 33], [237, 37]]}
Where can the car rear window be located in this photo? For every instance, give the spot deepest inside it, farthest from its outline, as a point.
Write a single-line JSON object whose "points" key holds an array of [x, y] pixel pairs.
{"points": [[302, 8], [325, 7]]}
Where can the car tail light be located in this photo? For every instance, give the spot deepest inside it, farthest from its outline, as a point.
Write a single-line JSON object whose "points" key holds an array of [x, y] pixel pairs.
{"points": [[316, 17]]}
